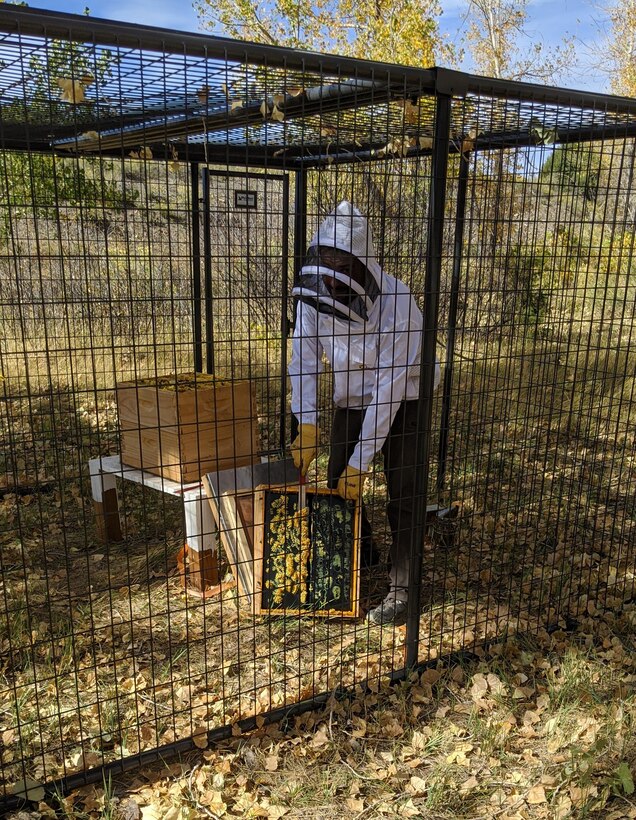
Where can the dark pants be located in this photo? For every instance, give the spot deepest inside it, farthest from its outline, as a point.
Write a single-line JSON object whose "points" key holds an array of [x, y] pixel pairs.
{"points": [[400, 464]]}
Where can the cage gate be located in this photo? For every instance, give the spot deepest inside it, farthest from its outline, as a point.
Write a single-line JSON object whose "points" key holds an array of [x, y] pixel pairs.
{"points": [[248, 218], [159, 194]]}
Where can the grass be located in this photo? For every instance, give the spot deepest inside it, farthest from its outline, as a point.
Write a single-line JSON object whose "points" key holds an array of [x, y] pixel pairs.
{"points": [[103, 656], [531, 743], [132, 663]]}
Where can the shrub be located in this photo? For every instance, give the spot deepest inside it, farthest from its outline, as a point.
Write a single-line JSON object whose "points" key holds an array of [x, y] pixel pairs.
{"points": [[40, 182]]}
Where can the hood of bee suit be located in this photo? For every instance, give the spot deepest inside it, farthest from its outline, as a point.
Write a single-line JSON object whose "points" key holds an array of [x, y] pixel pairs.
{"points": [[344, 229]]}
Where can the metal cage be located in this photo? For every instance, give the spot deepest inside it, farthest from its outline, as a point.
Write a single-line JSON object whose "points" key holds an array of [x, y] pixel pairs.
{"points": [[158, 192]]}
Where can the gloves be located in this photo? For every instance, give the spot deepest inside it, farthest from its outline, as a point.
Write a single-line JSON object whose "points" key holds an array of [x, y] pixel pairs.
{"points": [[304, 447], [350, 483]]}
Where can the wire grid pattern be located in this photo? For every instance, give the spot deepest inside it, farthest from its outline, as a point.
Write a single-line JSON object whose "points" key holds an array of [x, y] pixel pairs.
{"points": [[251, 96], [120, 268]]}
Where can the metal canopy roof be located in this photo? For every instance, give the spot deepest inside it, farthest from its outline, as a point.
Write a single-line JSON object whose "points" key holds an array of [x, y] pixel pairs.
{"points": [[74, 84]]}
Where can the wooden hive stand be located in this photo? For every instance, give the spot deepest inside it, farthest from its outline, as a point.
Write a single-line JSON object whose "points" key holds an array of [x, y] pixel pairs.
{"points": [[198, 559]]}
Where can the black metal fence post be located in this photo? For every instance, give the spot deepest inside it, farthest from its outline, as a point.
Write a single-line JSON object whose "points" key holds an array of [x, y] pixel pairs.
{"points": [[196, 265], [300, 218], [460, 214], [284, 319], [437, 202], [207, 268], [300, 247]]}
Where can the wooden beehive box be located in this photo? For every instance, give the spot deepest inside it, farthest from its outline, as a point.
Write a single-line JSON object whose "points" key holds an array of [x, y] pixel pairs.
{"points": [[183, 425]]}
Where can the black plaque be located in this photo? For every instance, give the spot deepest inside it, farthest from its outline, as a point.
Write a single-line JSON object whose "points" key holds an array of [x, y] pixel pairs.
{"points": [[245, 199]]}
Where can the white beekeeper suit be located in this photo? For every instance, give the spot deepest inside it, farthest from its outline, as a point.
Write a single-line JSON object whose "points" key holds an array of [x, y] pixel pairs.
{"points": [[369, 327], [375, 360]]}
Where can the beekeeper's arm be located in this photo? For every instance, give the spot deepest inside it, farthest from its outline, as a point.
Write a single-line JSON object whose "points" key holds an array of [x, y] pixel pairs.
{"points": [[398, 352], [304, 370]]}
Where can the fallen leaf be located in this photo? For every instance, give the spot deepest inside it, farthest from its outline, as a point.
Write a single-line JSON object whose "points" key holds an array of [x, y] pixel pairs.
{"points": [[563, 808], [72, 90], [409, 809], [419, 740], [536, 795], [360, 727], [152, 813], [264, 109], [430, 676], [458, 755], [271, 763], [200, 737], [479, 688], [469, 785], [128, 810], [417, 786], [495, 683], [236, 105], [277, 114], [354, 804], [320, 738]]}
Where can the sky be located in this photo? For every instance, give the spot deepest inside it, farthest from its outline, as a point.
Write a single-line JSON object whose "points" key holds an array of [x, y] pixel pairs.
{"points": [[548, 21]]}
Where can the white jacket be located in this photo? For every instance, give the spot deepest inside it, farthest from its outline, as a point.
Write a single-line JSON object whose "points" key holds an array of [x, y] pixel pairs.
{"points": [[376, 364]]}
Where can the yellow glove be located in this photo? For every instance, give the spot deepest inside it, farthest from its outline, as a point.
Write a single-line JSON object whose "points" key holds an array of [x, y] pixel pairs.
{"points": [[304, 448], [350, 483]]}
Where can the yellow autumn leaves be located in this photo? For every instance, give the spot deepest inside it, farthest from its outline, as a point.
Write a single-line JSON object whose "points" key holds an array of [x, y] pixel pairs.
{"points": [[271, 108], [72, 91]]}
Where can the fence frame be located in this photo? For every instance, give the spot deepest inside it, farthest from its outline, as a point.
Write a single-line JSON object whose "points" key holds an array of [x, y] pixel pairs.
{"points": [[385, 82]]}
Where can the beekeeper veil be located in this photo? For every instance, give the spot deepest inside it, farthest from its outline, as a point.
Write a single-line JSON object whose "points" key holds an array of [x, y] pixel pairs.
{"points": [[341, 275]]}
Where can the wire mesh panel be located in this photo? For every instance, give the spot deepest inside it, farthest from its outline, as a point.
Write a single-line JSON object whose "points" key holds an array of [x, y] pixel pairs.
{"points": [[234, 275], [146, 313], [247, 219], [536, 438]]}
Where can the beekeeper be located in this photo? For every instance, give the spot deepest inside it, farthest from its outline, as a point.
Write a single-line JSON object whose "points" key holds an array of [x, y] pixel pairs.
{"points": [[369, 326]]}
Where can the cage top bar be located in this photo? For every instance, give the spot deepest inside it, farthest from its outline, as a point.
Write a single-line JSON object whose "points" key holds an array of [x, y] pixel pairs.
{"points": [[25, 20], [79, 28], [193, 97]]}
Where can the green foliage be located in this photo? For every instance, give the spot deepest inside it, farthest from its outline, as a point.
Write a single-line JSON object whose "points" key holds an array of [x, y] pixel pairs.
{"points": [[623, 780], [578, 167], [402, 31], [533, 272], [525, 267], [501, 44], [40, 182]]}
